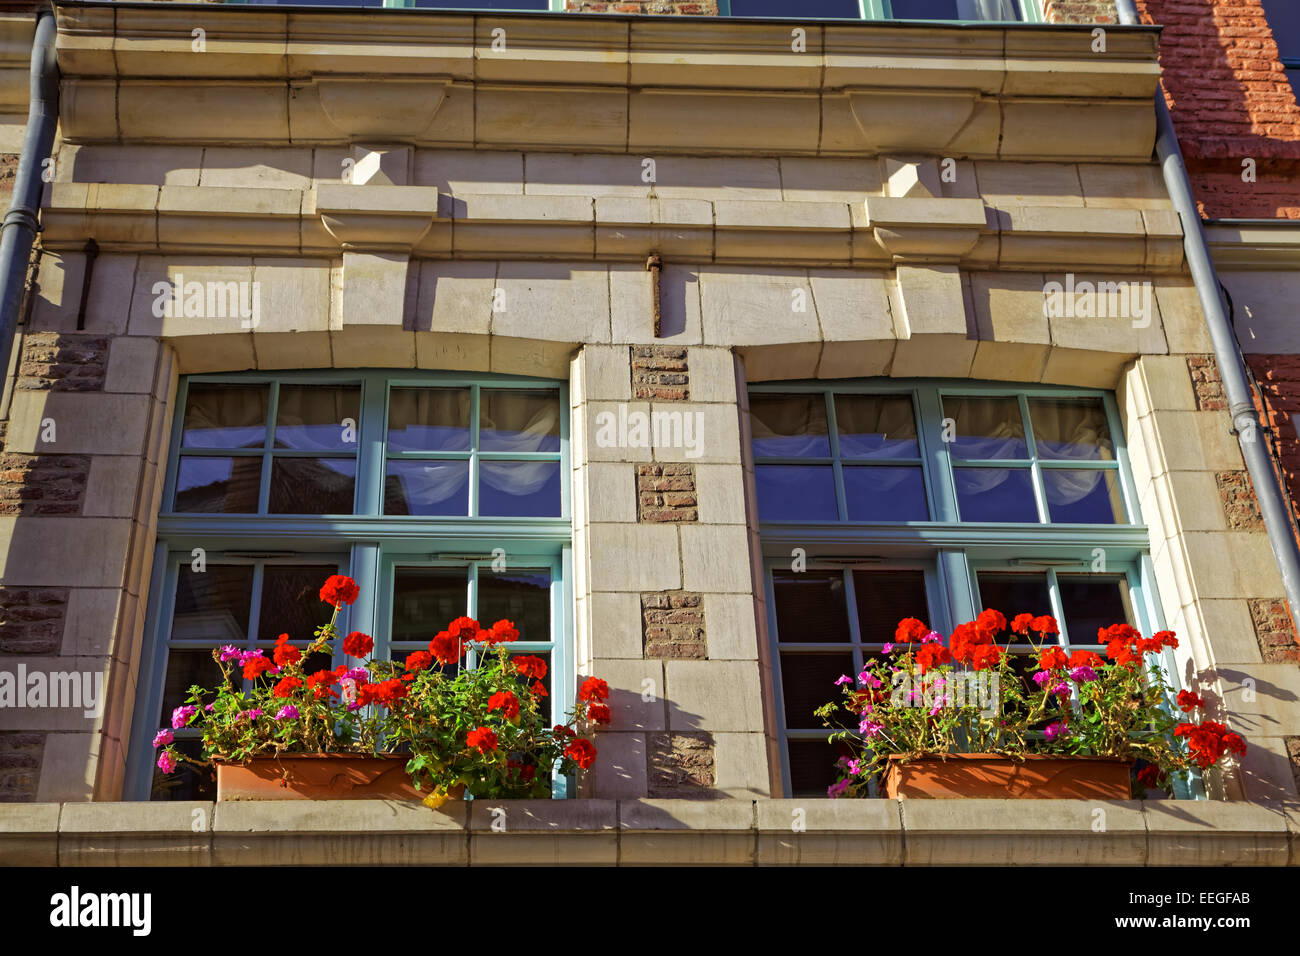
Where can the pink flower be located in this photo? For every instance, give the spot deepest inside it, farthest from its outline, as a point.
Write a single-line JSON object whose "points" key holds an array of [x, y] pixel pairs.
{"points": [[1055, 730], [842, 680], [887, 649], [181, 716], [837, 789], [166, 761], [287, 712], [932, 637], [870, 727], [871, 680], [1083, 674], [163, 738], [229, 652]]}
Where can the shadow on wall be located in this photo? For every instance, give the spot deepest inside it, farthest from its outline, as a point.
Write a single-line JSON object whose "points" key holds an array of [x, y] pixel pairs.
{"points": [[1230, 103]]}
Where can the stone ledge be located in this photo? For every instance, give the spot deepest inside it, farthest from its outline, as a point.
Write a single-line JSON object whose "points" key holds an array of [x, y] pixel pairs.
{"points": [[653, 832]]}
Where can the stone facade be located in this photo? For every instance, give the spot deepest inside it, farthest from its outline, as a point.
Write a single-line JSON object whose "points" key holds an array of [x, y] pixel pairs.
{"points": [[813, 233]]}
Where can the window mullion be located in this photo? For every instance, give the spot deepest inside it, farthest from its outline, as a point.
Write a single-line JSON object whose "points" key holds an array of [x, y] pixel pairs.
{"points": [[939, 480], [372, 444], [851, 614], [268, 460], [837, 469]]}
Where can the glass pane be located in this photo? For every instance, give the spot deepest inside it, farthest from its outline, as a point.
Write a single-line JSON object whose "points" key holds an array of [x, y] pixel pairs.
{"points": [[1084, 496], [481, 4], [426, 600], [1071, 428], [186, 668], [886, 597], [426, 488], [995, 494], [518, 420], [885, 494], [1091, 602], [317, 417], [810, 606], [986, 428], [1006, 10], [225, 416], [876, 426], [518, 489], [428, 419], [313, 486], [291, 601], [807, 682], [218, 485], [523, 597], [213, 605], [812, 766], [796, 493], [789, 426], [808, 9], [1014, 594], [187, 782]]}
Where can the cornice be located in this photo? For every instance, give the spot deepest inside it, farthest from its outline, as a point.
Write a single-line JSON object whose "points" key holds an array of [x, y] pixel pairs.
{"points": [[133, 74], [419, 221], [1267, 245]]}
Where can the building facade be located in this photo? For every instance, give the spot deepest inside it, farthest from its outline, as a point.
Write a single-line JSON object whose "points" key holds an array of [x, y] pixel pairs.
{"points": [[705, 346]]}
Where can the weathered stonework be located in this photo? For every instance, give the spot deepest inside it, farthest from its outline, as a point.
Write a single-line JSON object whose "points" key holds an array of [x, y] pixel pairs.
{"points": [[31, 619], [1206, 383], [1080, 11], [43, 484], [666, 493], [1274, 631], [63, 363], [672, 625], [1239, 504], [660, 372], [20, 766], [680, 764], [669, 8]]}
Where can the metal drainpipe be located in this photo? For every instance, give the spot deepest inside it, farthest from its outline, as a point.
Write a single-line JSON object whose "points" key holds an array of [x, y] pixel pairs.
{"points": [[1227, 353], [20, 223]]}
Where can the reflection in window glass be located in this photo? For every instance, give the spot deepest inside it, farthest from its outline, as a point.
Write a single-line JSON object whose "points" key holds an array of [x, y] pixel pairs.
{"points": [[427, 488], [225, 416], [211, 485], [995, 494], [796, 493], [1071, 429], [1084, 497], [291, 601], [986, 428], [807, 9], [886, 597], [876, 426], [523, 597], [789, 426], [810, 607], [428, 419], [1093, 601], [516, 420], [313, 486], [317, 417], [519, 489], [996, 10], [807, 682], [426, 600], [885, 494], [213, 605], [1014, 594]]}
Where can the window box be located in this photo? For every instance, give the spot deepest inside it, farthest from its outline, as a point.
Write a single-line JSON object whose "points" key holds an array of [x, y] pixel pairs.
{"points": [[1037, 777], [316, 777]]}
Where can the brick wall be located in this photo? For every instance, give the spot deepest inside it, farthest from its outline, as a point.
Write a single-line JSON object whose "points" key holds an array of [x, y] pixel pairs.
{"points": [[1231, 101], [20, 766]]}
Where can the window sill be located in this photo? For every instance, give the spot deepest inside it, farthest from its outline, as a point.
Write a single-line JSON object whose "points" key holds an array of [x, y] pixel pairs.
{"points": [[662, 832]]}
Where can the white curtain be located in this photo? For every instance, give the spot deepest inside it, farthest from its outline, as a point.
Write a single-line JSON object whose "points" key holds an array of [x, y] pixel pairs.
{"points": [[986, 10]]}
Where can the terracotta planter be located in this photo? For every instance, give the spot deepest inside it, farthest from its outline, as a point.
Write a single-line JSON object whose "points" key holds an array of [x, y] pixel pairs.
{"points": [[1037, 777], [317, 777]]}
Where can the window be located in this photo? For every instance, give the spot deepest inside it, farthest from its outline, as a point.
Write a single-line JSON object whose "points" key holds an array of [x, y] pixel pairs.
{"points": [[991, 10], [1284, 20], [933, 500], [442, 495]]}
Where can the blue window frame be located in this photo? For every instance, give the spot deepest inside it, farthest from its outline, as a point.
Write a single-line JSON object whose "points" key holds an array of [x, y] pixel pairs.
{"points": [[870, 510], [945, 10], [1284, 20], [441, 494]]}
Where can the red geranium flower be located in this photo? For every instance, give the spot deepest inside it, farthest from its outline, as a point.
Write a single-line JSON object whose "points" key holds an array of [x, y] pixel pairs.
{"points": [[932, 655], [1188, 702], [599, 714], [256, 667], [1149, 776], [483, 740], [1021, 623], [446, 648], [357, 644], [910, 629], [1052, 658], [990, 623], [986, 657], [539, 689], [465, 628], [1209, 741], [564, 731], [418, 661], [339, 589], [1045, 624], [285, 653], [593, 688], [503, 632], [1086, 659], [506, 702], [530, 666], [286, 687], [581, 752]]}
